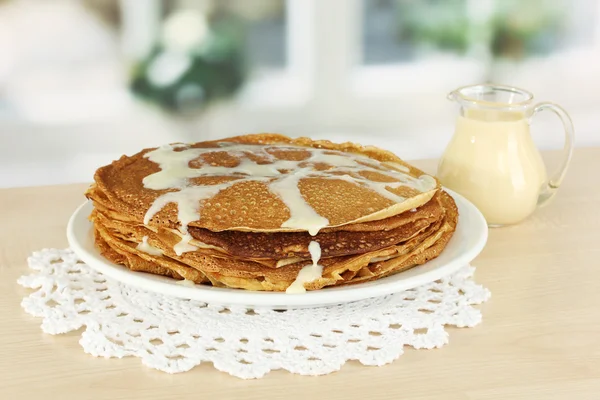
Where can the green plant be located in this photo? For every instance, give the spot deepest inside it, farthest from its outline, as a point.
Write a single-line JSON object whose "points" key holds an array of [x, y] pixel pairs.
{"points": [[190, 67], [517, 28], [440, 24], [526, 28]]}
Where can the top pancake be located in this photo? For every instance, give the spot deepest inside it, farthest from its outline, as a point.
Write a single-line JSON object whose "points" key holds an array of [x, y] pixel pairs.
{"points": [[262, 183]]}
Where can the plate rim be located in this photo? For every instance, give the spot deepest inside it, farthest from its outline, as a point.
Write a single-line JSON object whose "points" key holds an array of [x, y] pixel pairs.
{"points": [[281, 300]]}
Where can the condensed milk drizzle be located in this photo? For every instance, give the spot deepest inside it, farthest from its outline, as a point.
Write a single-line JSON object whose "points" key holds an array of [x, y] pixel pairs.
{"points": [[308, 273], [148, 248], [302, 214], [282, 177]]}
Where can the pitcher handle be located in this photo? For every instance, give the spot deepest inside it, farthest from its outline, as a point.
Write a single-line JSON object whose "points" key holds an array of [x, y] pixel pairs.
{"points": [[553, 183]]}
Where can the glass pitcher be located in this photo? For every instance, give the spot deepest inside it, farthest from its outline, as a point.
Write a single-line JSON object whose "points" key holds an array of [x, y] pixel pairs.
{"points": [[492, 160]]}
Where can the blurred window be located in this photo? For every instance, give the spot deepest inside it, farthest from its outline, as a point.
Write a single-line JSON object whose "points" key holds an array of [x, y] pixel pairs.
{"points": [[310, 67], [263, 23], [401, 31]]}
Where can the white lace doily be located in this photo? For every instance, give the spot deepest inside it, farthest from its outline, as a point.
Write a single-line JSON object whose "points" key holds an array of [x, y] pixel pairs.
{"points": [[174, 335]]}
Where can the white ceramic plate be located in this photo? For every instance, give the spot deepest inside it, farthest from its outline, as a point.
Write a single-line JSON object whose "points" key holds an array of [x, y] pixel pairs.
{"points": [[467, 242]]}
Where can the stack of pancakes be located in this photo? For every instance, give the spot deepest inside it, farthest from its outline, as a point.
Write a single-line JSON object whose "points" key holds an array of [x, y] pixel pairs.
{"points": [[254, 212]]}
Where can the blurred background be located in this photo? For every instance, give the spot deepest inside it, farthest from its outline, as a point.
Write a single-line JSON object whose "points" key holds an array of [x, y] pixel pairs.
{"points": [[84, 81]]}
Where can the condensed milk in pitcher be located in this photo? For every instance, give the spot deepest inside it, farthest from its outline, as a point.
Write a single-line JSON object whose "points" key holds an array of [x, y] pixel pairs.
{"points": [[492, 160]]}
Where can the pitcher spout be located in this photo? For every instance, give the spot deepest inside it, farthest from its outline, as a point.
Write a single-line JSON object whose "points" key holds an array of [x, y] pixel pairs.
{"points": [[452, 96]]}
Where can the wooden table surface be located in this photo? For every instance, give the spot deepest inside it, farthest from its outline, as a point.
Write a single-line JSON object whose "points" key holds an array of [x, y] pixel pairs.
{"points": [[540, 336]]}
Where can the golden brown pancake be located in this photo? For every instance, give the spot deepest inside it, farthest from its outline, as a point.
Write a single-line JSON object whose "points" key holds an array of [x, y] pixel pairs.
{"points": [[341, 202], [283, 245], [242, 212], [227, 272]]}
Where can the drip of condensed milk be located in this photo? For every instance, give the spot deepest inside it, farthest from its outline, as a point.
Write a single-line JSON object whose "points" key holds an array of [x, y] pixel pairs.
{"points": [[302, 215], [148, 248], [308, 273], [187, 200], [184, 245]]}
